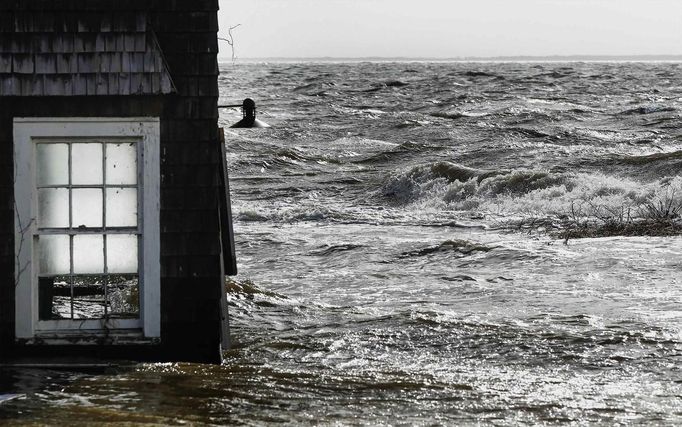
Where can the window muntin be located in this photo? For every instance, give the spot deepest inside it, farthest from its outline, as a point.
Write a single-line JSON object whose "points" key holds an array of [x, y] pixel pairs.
{"points": [[88, 229]]}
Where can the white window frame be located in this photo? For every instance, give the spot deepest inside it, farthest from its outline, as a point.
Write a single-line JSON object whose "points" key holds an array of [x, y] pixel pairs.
{"points": [[29, 131]]}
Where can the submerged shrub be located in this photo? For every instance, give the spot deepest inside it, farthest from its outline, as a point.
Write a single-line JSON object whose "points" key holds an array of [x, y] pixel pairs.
{"points": [[658, 213], [665, 205]]}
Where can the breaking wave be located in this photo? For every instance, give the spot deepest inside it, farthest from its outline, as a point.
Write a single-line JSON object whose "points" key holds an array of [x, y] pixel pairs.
{"points": [[450, 186]]}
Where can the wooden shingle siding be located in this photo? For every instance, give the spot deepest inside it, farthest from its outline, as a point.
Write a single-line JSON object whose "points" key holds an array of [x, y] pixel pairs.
{"points": [[71, 43]]}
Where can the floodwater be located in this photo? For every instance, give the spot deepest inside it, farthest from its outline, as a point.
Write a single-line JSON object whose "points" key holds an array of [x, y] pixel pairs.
{"points": [[399, 260]]}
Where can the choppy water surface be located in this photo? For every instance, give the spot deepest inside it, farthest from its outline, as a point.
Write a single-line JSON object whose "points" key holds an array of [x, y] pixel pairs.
{"points": [[398, 258]]}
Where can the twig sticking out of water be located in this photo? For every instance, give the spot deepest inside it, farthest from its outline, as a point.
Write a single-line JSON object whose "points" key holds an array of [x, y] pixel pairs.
{"points": [[657, 217]]}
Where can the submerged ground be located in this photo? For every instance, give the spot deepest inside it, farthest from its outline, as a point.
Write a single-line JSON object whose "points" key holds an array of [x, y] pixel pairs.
{"points": [[401, 257]]}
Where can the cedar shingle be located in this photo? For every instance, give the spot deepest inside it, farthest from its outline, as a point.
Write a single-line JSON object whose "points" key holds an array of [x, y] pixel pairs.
{"points": [[166, 83], [100, 42], [5, 63], [89, 42], [104, 63], [78, 43], [23, 64], [149, 62], [88, 63], [115, 62], [113, 83], [129, 42], [137, 62], [156, 83], [66, 63], [124, 83], [101, 84], [91, 84], [136, 85], [20, 43], [126, 62], [57, 84], [10, 85], [66, 41], [46, 64], [146, 83], [140, 42], [110, 41], [80, 84], [42, 45]]}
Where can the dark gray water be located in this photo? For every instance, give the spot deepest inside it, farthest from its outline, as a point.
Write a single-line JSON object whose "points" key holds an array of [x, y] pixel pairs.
{"points": [[399, 260]]}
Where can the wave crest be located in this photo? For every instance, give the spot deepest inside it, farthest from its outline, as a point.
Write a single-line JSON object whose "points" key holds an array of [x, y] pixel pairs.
{"points": [[449, 187]]}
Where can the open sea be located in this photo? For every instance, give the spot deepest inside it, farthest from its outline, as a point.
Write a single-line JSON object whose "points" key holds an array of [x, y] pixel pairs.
{"points": [[400, 261]]}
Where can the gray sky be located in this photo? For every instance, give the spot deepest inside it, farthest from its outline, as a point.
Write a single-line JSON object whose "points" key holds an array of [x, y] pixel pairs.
{"points": [[451, 28]]}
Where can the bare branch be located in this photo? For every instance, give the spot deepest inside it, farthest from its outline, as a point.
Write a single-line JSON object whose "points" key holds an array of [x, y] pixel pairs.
{"points": [[23, 231], [230, 40]]}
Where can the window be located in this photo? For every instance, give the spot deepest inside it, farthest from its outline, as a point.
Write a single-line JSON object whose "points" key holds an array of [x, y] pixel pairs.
{"points": [[87, 226]]}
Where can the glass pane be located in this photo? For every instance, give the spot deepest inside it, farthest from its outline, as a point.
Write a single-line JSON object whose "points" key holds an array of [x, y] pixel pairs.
{"points": [[61, 308], [54, 298], [122, 253], [121, 207], [122, 164], [88, 297], [53, 254], [88, 254], [124, 296], [52, 164], [53, 208], [86, 164], [87, 207]]}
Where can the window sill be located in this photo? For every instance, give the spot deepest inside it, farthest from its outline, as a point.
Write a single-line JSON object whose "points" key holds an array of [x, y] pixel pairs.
{"points": [[91, 337]]}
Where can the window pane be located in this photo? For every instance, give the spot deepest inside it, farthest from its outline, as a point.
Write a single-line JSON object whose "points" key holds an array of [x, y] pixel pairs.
{"points": [[122, 164], [53, 208], [88, 297], [52, 164], [54, 298], [87, 207], [86, 164], [121, 207], [124, 296], [88, 254], [53, 254], [122, 253]]}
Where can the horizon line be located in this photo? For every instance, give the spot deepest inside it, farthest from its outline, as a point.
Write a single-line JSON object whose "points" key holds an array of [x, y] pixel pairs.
{"points": [[649, 57]]}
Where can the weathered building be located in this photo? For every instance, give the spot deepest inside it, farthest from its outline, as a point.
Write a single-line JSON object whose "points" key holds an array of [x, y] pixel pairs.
{"points": [[115, 227]]}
